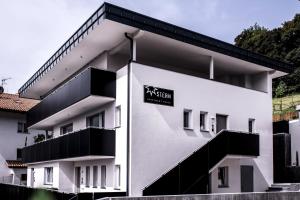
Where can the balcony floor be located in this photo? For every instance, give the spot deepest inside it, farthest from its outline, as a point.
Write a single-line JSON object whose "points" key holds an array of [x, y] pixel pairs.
{"points": [[85, 105]]}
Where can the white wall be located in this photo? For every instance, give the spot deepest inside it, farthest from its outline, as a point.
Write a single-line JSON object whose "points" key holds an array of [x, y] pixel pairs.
{"points": [[39, 170], [234, 176], [65, 180], [294, 127], [10, 139], [158, 139]]}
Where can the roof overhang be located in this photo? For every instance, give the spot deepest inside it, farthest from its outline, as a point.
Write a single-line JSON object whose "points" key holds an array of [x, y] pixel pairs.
{"points": [[105, 29]]}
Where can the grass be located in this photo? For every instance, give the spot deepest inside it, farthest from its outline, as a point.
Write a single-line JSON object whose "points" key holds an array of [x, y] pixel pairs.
{"points": [[288, 104]]}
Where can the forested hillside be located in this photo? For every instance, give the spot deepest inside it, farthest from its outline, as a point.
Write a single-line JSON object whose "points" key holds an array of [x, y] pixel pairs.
{"points": [[282, 43]]}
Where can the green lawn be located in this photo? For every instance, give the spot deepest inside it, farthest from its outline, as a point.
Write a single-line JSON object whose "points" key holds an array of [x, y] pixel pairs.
{"points": [[288, 104]]}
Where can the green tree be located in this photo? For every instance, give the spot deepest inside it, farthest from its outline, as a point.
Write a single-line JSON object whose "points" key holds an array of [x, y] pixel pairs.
{"points": [[282, 43]]}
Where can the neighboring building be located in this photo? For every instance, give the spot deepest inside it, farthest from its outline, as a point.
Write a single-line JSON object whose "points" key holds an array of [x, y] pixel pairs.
{"points": [[14, 136], [141, 106], [286, 150]]}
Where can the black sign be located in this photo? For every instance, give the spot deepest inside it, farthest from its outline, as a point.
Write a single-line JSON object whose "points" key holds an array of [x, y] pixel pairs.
{"points": [[158, 95]]}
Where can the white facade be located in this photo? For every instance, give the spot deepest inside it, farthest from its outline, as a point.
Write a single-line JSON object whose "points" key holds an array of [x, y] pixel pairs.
{"points": [[159, 141], [10, 141], [294, 128], [209, 80]]}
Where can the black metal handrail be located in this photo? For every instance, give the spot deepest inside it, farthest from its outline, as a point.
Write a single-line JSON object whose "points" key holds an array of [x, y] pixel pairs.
{"points": [[179, 179]]}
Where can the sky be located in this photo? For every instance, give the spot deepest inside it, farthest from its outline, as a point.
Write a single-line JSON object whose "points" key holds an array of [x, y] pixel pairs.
{"points": [[32, 30]]}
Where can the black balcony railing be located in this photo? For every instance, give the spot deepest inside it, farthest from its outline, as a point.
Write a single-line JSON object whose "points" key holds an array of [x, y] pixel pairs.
{"points": [[89, 82], [87, 142], [191, 176]]}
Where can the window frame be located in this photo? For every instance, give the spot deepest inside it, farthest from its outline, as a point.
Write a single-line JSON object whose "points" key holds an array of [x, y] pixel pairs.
{"points": [[95, 176], [103, 177], [205, 121], [46, 181], [226, 177], [23, 127], [87, 176], [88, 120], [252, 122], [189, 118], [64, 127]]}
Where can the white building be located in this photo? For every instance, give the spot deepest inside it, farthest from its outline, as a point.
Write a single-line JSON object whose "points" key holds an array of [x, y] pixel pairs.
{"points": [[13, 137], [130, 98]]}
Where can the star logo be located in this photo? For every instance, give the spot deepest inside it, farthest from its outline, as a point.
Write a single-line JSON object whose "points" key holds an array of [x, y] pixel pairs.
{"points": [[151, 90]]}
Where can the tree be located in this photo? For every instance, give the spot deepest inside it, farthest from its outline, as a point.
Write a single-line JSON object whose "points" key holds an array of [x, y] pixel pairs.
{"points": [[280, 92], [282, 43]]}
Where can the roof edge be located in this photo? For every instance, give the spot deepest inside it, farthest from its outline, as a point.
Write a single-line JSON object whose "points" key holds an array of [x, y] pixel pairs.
{"points": [[131, 18]]}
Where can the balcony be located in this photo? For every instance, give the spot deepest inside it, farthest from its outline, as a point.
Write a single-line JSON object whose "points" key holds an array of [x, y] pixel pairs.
{"points": [[90, 143], [86, 91]]}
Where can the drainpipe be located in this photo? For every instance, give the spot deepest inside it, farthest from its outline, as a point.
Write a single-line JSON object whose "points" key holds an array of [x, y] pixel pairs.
{"points": [[128, 111]]}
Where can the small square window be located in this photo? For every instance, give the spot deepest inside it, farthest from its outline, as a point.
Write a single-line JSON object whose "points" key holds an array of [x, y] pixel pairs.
{"points": [[22, 127], [66, 129], [187, 119], [251, 125], [203, 121], [93, 121], [223, 177], [103, 176]]}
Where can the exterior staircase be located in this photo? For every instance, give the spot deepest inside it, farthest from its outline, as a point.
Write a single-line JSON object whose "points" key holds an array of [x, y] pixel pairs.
{"points": [[191, 176]]}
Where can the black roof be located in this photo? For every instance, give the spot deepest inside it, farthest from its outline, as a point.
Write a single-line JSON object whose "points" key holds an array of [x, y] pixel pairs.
{"points": [[134, 19], [146, 23]]}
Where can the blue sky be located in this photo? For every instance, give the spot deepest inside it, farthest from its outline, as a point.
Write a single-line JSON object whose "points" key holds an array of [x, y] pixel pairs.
{"points": [[32, 30]]}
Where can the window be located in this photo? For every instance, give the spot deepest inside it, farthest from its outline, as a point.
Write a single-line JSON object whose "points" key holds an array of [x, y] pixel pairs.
{"points": [[223, 177], [23, 177], [117, 176], [118, 116], [48, 175], [103, 176], [96, 120], [95, 176], [187, 119], [87, 176], [203, 121], [19, 154], [251, 125], [22, 127], [66, 129]]}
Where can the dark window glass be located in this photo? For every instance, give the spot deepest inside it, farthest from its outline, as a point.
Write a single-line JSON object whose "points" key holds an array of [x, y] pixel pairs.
{"points": [[22, 127], [251, 125], [203, 121], [19, 154], [103, 176], [87, 176], [223, 177], [93, 121], [23, 177], [95, 176], [66, 129], [186, 119]]}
